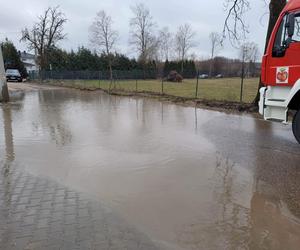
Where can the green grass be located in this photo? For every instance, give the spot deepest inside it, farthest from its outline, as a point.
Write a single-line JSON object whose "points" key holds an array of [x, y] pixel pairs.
{"points": [[226, 89]]}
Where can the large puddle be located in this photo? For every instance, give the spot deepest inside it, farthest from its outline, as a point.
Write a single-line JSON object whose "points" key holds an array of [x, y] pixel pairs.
{"points": [[188, 178]]}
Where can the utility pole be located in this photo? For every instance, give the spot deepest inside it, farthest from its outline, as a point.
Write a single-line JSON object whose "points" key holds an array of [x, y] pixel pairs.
{"points": [[4, 96]]}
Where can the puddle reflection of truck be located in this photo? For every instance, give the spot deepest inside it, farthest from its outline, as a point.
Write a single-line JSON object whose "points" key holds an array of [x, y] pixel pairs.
{"points": [[281, 70]]}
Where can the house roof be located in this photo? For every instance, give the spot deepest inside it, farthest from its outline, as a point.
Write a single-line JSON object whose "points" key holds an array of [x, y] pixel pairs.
{"points": [[25, 56]]}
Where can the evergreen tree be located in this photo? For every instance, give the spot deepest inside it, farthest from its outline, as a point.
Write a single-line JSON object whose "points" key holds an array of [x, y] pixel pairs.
{"points": [[12, 58]]}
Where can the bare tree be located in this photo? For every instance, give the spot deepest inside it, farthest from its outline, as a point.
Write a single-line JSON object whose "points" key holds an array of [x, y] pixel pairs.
{"points": [[249, 53], [184, 42], [142, 35], [103, 37], [215, 43], [45, 34], [165, 42]]}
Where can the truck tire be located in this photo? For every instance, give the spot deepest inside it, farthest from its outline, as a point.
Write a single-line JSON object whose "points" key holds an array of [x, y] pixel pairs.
{"points": [[296, 126]]}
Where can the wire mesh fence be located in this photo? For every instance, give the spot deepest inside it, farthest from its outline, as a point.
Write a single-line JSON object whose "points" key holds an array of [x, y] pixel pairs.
{"points": [[196, 86]]}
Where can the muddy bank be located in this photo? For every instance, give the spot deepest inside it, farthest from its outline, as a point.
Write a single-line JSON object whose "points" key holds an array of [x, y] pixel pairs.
{"points": [[28, 86], [191, 102]]}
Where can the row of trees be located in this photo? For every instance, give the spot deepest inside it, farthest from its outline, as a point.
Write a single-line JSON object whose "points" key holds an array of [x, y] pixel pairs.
{"points": [[85, 59], [228, 67], [150, 44]]}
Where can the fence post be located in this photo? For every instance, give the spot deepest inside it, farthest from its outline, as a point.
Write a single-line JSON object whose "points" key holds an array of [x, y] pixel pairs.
{"points": [[197, 84], [136, 81], [110, 84], [99, 79], [162, 85], [242, 81]]}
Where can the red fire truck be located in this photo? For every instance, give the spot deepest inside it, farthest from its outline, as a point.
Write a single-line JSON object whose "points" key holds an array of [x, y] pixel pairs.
{"points": [[281, 70]]}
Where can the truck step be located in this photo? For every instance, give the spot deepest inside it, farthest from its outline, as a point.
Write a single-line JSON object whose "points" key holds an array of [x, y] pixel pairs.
{"points": [[275, 120], [276, 100]]}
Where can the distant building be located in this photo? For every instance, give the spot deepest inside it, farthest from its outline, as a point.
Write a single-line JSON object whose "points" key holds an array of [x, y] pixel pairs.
{"points": [[29, 61]]}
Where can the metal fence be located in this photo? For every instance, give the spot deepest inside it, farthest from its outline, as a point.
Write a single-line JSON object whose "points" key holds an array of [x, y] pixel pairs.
{"points": [[152, 81], [94, 75]]}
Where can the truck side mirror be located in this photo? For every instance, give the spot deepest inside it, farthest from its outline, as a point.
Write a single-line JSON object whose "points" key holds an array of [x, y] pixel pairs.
{"points": [[290, 25]]}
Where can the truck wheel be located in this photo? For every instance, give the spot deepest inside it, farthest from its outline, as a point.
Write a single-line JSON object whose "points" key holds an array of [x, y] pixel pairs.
{"points": [[296, 126]]}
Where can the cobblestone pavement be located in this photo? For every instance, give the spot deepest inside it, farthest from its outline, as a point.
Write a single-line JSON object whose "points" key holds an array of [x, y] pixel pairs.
{"points": [[37, 213]]}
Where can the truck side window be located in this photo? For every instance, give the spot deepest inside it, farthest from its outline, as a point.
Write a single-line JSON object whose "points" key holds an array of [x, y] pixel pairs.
{"points": [[280, 36]]}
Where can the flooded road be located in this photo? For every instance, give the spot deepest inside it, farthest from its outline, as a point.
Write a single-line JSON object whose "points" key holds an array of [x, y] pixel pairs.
{"points": [[188, 178]]}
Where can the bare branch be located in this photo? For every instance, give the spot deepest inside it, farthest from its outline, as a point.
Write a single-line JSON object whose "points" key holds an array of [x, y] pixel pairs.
{"points": [[102, 35], [165, 43], [235, 27]]}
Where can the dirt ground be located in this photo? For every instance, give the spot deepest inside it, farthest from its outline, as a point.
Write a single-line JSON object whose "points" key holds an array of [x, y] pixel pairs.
{"points": [[16, 86]]}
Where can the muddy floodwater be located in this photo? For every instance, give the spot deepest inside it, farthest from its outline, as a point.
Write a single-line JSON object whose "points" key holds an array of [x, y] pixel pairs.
{"points": [[187, 178]]}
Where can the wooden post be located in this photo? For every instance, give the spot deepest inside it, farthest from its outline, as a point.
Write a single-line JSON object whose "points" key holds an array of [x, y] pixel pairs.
{"points": [[242, 76], [136, 81], [197, 84], [99, 79]]}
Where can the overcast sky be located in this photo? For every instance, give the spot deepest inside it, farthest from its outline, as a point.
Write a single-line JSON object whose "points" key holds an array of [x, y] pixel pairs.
{"points": [[204, 17]]}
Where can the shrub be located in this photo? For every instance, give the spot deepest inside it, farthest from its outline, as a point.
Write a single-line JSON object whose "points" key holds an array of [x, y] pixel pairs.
{"points": [[173, 76]]}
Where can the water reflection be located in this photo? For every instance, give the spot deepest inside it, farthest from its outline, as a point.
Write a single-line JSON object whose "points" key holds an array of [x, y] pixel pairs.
{"points": [[272, 219], [8, 134], [196, 120], [228, 226], [193, 178], [54, 121], [9, 157]]}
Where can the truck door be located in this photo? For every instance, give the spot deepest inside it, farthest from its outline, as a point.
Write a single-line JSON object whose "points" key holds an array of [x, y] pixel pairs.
{"points": [[283, 66]]}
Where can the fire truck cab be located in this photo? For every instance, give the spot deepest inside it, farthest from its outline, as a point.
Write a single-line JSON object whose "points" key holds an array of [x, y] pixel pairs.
{"points": [[281, 70]]}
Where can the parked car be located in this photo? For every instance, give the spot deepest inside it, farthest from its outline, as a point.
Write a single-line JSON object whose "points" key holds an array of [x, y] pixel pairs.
{"points": [[219, 76], [203, 76], [13, 75]]}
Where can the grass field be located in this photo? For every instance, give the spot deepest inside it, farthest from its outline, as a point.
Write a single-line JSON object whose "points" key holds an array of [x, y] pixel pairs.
{"points": [[226, 89]]}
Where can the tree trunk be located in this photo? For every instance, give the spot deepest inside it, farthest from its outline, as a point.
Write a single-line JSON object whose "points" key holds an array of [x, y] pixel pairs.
{"points": [[4, 96], [211, 67], [275, 6]]}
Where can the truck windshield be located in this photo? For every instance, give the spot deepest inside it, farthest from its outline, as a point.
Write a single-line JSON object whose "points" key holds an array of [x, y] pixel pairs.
{"points": [[12, 72], [296, 37]]}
